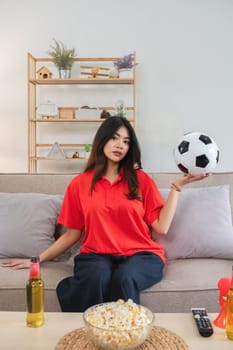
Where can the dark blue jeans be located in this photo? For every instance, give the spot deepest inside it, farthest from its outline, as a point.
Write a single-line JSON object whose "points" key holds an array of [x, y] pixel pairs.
{"points": [[101, 278]]}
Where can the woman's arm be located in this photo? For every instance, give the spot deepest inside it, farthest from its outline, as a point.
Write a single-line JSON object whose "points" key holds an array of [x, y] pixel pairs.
{"points": [[57, 248], [162, 224]]}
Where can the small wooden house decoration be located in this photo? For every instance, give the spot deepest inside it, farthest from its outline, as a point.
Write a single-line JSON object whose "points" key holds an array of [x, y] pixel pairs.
{"points": [[44, 73]]}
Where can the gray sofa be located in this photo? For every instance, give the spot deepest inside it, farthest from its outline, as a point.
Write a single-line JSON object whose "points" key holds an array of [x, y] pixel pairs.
{"points": [[188, 280]]}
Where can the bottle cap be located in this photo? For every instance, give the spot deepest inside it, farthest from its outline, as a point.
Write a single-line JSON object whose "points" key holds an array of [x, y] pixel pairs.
{"points": [[34, 259], [35, 267]]}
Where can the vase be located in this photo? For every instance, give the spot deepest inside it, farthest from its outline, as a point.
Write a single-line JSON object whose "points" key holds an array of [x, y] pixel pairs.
{"points": [[64, 73], [125, 73], [87, 154]]}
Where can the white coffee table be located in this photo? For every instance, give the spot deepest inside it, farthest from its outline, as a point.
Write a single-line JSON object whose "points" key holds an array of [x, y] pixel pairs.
{"points": [[15, 335]]}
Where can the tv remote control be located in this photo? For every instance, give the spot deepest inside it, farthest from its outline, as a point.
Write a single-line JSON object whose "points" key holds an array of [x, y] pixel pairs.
{"points": [[202, 320]]}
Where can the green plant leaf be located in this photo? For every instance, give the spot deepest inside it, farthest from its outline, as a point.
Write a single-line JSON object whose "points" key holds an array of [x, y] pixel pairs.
{"points": [[62, 57]]}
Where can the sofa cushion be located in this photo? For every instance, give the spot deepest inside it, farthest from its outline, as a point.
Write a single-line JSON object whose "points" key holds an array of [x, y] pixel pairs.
{"points": [[28, 222], [187, 283], [202, 225]]}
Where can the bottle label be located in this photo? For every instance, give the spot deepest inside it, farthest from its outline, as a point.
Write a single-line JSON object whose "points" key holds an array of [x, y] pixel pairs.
{"points": [[35, 296]]}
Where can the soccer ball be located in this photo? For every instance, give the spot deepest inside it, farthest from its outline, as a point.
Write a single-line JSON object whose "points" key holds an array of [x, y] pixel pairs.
{"points": [[196, 153]]}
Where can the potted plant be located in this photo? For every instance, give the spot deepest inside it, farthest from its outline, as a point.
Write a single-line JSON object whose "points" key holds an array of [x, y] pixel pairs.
{"points": [[125, 65], [120, 108], [63, 58], [87, 149]]}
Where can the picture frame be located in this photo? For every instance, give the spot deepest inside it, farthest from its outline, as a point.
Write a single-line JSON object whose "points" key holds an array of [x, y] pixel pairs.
{"points": [[47, 109]]}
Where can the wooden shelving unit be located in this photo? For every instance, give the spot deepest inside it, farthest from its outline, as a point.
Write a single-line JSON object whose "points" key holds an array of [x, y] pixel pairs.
{"points": [[35, 121]]}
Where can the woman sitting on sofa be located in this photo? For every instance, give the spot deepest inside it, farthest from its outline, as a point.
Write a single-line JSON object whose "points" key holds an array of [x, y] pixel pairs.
{"points": [[117, 204]]}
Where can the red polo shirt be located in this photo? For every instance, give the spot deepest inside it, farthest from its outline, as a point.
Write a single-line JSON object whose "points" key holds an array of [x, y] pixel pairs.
{"points": [[113, 223]]}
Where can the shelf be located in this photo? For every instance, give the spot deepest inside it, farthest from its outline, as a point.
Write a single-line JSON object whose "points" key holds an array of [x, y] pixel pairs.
{"points": [[83, 81], [70, 145], [79, 59], [63, 159], [74, 120]]}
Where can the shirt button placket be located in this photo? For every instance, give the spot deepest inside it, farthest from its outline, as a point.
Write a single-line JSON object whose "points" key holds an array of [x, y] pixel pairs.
{"points": [[110, 195]]}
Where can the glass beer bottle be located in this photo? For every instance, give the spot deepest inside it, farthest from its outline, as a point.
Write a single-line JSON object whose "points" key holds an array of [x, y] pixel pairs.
{"points": [[35, 295], [229, 308]]}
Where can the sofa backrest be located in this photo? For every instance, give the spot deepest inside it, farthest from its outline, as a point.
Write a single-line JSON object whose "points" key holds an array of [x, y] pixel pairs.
{"points": [[57, 183]]}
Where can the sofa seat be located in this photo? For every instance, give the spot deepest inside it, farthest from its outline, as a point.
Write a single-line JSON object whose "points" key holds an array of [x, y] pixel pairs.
{"points": [[186, 283]]}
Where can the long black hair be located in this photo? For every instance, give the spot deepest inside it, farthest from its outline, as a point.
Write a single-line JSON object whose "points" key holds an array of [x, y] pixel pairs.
{"points": [[132, 161]]}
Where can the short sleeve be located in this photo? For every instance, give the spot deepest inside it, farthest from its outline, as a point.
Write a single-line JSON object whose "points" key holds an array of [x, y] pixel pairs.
{"points": [[71, 213], [152, 199]]}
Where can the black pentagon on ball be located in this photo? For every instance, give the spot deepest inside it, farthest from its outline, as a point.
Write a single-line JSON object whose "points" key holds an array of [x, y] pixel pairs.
{"points": [[205, 139], [202, 161], [182, 168], [183, 147]]}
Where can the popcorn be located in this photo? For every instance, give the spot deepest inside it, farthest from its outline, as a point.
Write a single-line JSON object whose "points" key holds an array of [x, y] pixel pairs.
{"points": [[119, 325]]}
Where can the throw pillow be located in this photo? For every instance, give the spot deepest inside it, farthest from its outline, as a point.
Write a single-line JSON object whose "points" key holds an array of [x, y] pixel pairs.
{"points": [[28, 222], [202, 225]]}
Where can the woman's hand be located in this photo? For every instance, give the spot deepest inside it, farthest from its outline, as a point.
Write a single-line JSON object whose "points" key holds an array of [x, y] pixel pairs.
{"points": [[16, 264], [188, 179]]}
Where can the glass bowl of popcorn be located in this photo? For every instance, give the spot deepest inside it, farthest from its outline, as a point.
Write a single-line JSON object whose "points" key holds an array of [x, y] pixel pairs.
{"points": [[120, 325]]}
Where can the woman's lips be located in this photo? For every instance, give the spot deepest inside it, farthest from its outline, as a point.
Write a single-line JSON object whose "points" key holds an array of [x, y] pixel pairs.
{"points": [[117, 154]]}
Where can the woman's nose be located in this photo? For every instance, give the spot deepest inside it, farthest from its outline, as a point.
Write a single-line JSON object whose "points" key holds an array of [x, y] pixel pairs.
{"points": [[120, 143]]}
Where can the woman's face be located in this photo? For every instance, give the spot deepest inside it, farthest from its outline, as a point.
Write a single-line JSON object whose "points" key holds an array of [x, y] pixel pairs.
{"points": [[117, 147]]}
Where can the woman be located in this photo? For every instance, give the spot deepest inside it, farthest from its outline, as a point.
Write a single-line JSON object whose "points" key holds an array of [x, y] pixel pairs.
{"points": [[117, 204]]}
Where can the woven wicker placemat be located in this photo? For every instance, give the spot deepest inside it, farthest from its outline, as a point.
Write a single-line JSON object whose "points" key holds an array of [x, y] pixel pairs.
{"points": [[160, 339]]}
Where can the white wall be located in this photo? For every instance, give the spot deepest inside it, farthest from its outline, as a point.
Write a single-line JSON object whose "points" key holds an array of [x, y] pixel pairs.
{"points": [[185, 76]]}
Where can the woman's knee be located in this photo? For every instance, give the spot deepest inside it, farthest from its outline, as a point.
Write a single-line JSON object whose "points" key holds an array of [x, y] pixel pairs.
{"points": [[100, 275], [122, 277]]}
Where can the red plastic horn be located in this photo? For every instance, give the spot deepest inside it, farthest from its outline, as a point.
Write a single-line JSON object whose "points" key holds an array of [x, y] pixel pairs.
{"points": [[223, 287]]}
